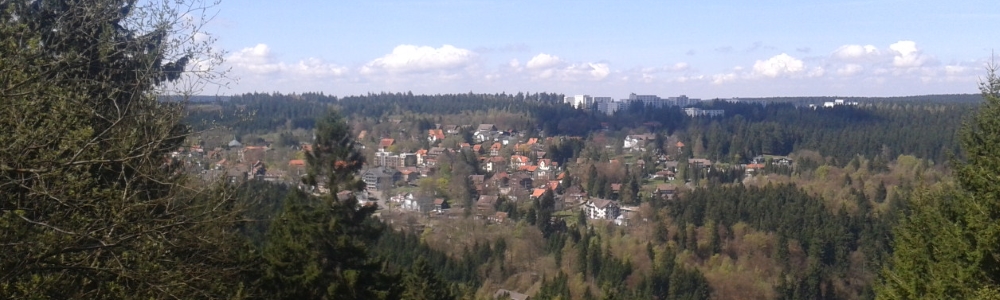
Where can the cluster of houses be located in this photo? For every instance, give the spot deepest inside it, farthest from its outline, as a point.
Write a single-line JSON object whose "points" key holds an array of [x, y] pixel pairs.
{"points": [[519, 169], [235, 162]]}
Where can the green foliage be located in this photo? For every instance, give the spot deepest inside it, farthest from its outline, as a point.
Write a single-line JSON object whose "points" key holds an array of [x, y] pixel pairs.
{"points": [[90, 208], [318, 246], [948, 246], [828, 239], [422, 283]]}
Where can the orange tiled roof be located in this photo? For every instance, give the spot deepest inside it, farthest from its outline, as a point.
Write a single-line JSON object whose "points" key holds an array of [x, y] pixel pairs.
{"points": [[436, 133], [385, 143]]}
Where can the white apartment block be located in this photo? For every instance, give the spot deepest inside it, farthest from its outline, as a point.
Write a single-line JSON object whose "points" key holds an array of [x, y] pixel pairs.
{"points": [[697, 112], [579, 101]]}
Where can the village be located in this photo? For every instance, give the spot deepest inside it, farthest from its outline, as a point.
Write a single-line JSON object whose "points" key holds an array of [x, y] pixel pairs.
{"points": [[508, 167]]}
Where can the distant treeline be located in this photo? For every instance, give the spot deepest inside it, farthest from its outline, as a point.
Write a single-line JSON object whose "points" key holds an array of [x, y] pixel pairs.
{"points": [[818, 100], [923, 126]]}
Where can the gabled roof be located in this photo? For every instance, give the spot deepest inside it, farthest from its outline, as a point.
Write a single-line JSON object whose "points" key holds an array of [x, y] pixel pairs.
{"points": [[297, 163], [385, 143], [486, 201], [602, 203], [486, 127], [538, 193], [436, 133], [528, 168], [519, 159], [407, 170]]}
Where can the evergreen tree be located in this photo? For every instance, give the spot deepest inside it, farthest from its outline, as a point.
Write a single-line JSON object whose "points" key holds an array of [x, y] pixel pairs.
{"points": [[949, 244], [90, 207], [546, 205], [422, 283], [317, 248]]}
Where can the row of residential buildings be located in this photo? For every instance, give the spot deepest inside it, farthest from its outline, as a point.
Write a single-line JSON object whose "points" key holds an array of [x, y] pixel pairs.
{"points": [[608, 105]]}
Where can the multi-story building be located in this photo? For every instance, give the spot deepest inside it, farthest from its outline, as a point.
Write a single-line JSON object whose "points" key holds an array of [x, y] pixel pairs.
{"points": [[602, 209], [607, 105], [697, 112], [579, 101], [648, 100]]}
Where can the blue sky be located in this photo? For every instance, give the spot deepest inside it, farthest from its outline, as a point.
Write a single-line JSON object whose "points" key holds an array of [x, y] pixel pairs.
{"points": [[703, 49]]}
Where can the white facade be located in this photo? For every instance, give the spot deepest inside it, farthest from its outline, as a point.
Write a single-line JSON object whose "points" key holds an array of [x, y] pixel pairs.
{"points": [[697, 112], [602, 209], [648, 100], [838, 102], [608, 106], [579, 101]]}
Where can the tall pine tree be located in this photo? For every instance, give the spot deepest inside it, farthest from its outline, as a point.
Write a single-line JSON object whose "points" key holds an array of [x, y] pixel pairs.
{"points": [[317, 248], [949, 244]]}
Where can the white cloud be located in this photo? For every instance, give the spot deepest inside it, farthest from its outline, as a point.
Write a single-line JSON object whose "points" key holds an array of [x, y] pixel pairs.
{"points": [[816, 72], [599, 71], [779, 65], [724, 78], [850, 70], [907, 55], [678, 67], [856, 52], [258, 60], [955, 70], [544, 61], [546, 66], [420, 59]]}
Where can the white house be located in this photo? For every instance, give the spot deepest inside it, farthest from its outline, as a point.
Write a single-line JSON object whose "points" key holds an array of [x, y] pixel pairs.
{"points": [[637, 141], [417, 204], [602, 209]]}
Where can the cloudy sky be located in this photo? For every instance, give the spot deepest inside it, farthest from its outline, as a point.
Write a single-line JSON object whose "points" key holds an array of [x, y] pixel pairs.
{"points": [[703, 49]]}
